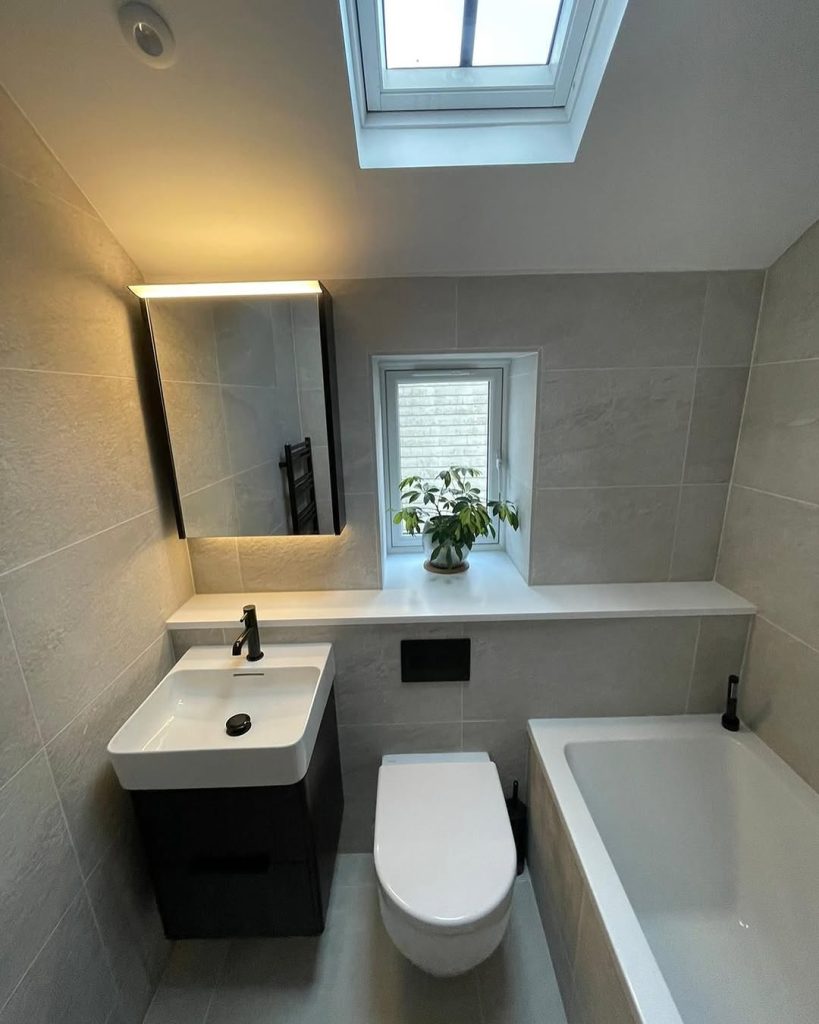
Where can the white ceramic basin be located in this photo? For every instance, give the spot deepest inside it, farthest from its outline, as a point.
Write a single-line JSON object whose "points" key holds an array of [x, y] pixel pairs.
{"points": [[176, 739]]}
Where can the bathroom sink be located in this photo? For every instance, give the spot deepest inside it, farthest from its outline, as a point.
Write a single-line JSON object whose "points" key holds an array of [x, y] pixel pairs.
{"points": [[177, 738]]}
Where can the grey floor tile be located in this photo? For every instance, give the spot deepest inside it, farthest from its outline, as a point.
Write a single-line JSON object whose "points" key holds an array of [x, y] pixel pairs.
{"points": [[354, 975], [189, 983], [517, 983]]}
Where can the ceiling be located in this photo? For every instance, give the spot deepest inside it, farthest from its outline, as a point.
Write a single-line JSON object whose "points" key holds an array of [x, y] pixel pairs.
{"points": [[240, 160]]}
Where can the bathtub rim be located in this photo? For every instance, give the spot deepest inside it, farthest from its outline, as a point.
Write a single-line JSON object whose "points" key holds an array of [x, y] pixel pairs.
{"points": [[634, 958]]}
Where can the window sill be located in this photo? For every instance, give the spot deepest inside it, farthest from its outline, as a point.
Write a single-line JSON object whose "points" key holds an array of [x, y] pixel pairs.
{"points": [[492, 591]]}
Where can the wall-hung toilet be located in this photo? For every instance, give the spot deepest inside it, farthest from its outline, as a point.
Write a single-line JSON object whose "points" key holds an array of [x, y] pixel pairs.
{"points": [[444, 857]]}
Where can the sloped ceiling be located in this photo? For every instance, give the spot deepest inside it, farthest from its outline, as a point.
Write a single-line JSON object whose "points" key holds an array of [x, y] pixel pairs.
{"points": [[240, 162]]}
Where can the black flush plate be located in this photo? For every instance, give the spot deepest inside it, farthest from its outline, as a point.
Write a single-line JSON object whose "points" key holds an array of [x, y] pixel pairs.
{"points": [[435, 661]]}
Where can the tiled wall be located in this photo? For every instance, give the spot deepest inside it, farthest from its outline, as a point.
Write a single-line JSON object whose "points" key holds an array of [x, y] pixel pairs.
{"points": [[89, 570], [770, 547], [520, 670], [642, 378]]}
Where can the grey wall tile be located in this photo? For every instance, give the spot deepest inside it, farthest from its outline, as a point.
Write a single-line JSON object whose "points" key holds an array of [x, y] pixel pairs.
{"points": [[715, 418], [259, 496], [314, 416], [720, 653], [123, 902], [64, 280], [770, 549], [505, 742], [94, 803], [60, 609], [39, 876], [215, 565], [790, 306], [252, 424], [368, 677], [603, 535], [699, 526], [316, 563], [70, 981], [245, 339], [196, 423], [609, 427], [184, 339], [362, 747], [519, 542], [212, 511], [584, 320], [729, 320], [414, 314], [19, 739], [597, 667], [23, 152], [779, 697], [307, 341], [53, 421], [779, 450], [358, 435]]}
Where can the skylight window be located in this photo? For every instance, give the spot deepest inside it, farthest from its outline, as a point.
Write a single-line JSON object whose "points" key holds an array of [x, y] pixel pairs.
{"points": [[519, 75], [469, 33]]}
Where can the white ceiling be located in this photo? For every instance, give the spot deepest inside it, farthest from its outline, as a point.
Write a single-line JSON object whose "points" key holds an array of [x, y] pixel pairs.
{"points": [[240, 162]]}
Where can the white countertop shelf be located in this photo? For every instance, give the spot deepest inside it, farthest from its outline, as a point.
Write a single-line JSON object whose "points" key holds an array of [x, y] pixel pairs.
{"points": [[492, 590]]}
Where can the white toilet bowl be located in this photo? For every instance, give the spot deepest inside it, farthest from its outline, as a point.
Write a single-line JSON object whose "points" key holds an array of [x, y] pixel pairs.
{"points": [[444, 857]]}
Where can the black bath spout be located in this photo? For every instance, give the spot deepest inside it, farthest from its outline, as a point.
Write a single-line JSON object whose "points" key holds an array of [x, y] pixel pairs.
{"points": [[729, 719], [250, 634]]}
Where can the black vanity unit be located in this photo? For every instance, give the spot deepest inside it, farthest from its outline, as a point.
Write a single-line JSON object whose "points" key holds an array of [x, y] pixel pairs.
{"points": [[247, 861]]}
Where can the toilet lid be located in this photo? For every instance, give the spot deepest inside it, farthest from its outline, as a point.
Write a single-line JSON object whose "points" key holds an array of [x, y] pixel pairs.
{"points": [[443, 845]]}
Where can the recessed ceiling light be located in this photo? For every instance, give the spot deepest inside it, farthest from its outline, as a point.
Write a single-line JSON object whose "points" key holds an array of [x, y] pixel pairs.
{"points": [[148, 34]]}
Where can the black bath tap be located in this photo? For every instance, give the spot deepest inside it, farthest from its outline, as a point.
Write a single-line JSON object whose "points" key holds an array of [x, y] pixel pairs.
{"points": [[249, 634], [729, 719]]}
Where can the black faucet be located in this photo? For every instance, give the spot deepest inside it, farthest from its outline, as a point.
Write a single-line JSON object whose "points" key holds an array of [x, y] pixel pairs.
{"points": [[249, 634]]}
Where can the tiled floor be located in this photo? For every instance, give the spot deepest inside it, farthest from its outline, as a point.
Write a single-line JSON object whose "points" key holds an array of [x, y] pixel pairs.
{"points": [[352, 974]]}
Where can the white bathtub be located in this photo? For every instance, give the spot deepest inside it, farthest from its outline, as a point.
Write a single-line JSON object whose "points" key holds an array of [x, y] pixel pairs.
{"points": [[700, 850]]}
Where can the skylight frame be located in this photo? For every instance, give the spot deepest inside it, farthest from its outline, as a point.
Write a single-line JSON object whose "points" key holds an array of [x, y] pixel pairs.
{"points": [[532, 86], [480, 136]]}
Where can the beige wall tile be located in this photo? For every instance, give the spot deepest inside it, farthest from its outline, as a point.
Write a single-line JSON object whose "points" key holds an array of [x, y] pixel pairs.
{"points": [[599, 990], [19, 738], [215, 565], [64, 282], [23, 152], [81, 615], [78, 440]]}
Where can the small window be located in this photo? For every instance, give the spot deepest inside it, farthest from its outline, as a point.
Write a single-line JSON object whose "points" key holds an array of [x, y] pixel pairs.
{"points": [[520, 75], [436, 417]]}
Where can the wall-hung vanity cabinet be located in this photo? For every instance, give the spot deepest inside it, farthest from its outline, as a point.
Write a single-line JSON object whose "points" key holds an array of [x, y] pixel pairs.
{"points": [[247, 381]]}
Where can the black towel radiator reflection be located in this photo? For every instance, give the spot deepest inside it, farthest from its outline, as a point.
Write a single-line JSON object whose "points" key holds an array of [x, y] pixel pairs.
{"points": [[301, 487]]}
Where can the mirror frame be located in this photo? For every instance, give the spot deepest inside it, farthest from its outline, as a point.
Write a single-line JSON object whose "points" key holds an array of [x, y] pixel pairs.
{"points": [[330, 381]]}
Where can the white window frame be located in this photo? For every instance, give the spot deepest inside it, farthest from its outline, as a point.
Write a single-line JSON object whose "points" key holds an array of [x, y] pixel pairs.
{"points": [[390, 375], [540, 119], [470, 88]]}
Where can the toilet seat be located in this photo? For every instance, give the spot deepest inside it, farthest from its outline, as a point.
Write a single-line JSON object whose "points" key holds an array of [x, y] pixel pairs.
{"points": [[444, 853]]}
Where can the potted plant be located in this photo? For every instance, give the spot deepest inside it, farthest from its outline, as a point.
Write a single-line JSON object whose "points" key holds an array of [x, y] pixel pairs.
{"points": [[450, 516]]}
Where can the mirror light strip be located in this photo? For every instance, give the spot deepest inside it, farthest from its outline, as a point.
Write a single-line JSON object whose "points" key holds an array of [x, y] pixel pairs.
{"points": [[228, 288]]}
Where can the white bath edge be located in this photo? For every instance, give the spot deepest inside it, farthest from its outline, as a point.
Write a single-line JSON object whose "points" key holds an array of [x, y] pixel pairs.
{"points": [[638, 967]]}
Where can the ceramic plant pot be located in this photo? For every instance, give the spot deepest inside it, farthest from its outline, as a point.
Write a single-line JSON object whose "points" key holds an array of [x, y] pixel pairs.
{"points": [[447, 560]]}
